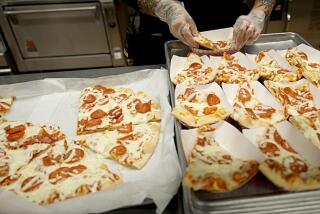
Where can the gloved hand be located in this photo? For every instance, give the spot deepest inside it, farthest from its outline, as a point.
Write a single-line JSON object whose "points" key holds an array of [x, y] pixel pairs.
{"points": [[247, 28], [180, 23]]}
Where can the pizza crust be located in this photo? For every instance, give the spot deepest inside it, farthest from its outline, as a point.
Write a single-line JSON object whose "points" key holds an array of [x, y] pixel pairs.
{"points": [[295, 184], [189, 119], [5, 104]]}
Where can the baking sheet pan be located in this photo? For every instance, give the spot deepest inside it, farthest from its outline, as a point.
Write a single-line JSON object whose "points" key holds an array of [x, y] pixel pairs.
{"points": [[259, 195]]}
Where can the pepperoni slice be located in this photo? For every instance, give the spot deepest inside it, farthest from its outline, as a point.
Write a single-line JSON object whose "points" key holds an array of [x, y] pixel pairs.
{"points": [[9, 180], [83, 189], [228, 56], [304, 109], [53, 197], [115, 115], [226, 159], [195, 66], [77, 169], [4, 170], [239, 67], [314, 65], [290, 92], [125, 128], [209, 110], [15, 129], [269, 149], [264, 111], [59, 174], [143, 107], [93, 122], [251, 113], [216, 183], [89, 98], [244, 95], [15, 136], [296, 165], [73, 155], [239, 178], [50, 160], [97, 114], [191, 110], [201, 141], [30, 184], [212, 99], [104, 89], [118, 150], [282, 142], [259, 56], [125, 138], [274, 165]]}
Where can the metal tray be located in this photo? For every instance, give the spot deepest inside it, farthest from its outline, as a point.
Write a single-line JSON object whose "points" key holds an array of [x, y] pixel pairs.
{"points": [[259, 195]]}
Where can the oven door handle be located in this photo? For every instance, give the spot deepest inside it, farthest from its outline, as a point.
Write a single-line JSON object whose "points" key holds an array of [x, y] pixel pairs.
{"points": [[19, 12]]}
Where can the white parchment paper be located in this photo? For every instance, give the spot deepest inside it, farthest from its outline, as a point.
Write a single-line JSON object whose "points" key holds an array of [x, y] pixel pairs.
{"points": [[294, 138], [212, 87], [55, 102], [219, 34], [260, 93], [228, 137]]}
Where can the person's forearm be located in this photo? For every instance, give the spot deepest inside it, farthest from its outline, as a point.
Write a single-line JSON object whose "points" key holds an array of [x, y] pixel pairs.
{"points": [[264, 5], [160, 8]]}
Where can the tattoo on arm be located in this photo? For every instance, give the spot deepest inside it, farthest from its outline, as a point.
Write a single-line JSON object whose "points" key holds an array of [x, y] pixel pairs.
{"points": [[163, 9], [265, 5]]}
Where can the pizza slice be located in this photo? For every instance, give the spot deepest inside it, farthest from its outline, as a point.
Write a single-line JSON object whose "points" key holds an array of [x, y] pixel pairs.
{"points": [[64, 171], [296, 58], [199, 107], [130, 145], [212, 168], [311, 70], [283, 166], [196, 71], [297, 99], [269, 69], [5, 104], [103, 108], [250, 112], [213, 45], [230, 71], [20, 142]]}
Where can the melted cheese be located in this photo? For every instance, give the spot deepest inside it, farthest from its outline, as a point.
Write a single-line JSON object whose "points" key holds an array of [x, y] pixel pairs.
{"points": [[5, 104], [287, 158], [111, 101], [104, 142]]}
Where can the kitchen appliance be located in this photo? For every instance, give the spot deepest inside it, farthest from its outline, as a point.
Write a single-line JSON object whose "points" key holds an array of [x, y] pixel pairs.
{"points": [[299, 16], [68, 34], [4, 58]]}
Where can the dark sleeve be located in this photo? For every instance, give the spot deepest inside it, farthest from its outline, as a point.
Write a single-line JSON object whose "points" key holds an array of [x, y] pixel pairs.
{"points": [[132, 3]]}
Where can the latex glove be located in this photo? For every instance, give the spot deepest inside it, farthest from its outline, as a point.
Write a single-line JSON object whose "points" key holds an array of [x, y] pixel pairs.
{"points": [[180, 23], [247, 28]]}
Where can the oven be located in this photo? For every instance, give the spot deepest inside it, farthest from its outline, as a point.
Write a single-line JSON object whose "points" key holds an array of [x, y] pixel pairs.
{"points": [[54, 35]]}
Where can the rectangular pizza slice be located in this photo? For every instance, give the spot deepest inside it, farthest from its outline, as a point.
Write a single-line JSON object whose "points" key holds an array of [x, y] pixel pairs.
{"points": [[212, 168], [5, 104], [20, 142], [269, 69], [196, 71], [250, 112], [64, 171], [283, 166], [230, 71], [311, 69], [130, 145], [196, 107], [103, 108]]}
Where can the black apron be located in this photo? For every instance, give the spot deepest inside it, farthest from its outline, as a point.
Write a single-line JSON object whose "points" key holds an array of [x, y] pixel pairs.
{"points": [[207, 14]]}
